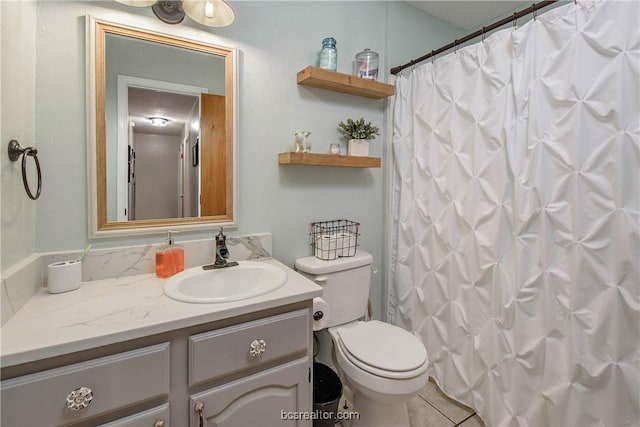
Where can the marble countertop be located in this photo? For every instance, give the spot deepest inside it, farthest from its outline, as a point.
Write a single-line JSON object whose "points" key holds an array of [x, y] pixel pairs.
{"points": [[109, 311]]}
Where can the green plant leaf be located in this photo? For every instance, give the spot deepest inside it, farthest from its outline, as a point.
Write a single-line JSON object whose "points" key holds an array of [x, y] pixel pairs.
{"points": [[358, 129]]}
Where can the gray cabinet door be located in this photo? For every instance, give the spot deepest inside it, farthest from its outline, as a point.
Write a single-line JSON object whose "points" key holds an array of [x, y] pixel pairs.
{"points": [[275, 397]]}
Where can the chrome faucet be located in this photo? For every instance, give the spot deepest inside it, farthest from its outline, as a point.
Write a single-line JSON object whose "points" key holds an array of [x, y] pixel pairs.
{"points": [[222, 253]]}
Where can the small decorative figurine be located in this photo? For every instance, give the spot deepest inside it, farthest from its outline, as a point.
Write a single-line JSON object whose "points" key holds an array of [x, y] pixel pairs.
{"points": [[302, 142]]}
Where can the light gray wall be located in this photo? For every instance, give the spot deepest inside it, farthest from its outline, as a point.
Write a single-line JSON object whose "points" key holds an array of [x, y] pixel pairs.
{"points": [[275, 40], [412, 33], [18, 212]]}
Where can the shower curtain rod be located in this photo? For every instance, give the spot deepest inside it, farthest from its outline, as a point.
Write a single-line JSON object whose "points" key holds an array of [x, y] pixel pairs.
{"points": [[517, 15]]}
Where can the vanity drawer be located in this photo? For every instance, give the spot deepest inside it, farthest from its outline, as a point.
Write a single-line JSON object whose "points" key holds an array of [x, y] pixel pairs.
{"points": [[116, 381], [229, 350], [156, 417]]}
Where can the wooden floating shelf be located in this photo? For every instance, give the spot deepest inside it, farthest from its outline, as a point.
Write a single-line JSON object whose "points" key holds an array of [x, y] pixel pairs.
{"points": [[345, 83], [313, 159]]}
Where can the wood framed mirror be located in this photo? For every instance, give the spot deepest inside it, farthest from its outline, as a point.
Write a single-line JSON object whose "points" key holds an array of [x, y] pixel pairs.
{"points": [[162, 129]]}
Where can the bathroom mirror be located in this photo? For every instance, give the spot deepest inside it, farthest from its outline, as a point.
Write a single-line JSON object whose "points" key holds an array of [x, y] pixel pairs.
{"points": [[162, 114]]}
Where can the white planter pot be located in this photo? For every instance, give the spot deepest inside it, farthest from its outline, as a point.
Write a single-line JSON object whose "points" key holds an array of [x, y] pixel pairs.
{"points": [[358, 147]]}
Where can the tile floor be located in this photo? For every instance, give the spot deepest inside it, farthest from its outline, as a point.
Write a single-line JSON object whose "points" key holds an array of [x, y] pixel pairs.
{"points": [[432, 408]]}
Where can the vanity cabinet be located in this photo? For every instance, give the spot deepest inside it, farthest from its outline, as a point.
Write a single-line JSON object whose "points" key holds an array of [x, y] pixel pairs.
{"points": [[246, 370], [262, 396], [87, 390]]}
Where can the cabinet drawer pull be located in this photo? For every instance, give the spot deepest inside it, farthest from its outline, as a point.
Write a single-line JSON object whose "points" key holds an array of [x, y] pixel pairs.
{"points": [[159, 423], [79, 398], [199, 408], [257, 348]]}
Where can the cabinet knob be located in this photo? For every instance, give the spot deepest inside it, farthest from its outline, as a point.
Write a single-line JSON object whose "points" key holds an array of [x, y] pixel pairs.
{"points": [[79, 398], [257, 348], [159, 423], [199, 409]]}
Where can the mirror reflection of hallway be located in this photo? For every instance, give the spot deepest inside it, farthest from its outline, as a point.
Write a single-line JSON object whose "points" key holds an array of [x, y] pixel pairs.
{"points": [[162, 183]]}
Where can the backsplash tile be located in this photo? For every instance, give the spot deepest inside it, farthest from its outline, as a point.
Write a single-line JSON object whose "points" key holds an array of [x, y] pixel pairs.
{"points": [[255, 246], [22, 281], [107, 263], [19, 284], [6, 310], [128, 261]]}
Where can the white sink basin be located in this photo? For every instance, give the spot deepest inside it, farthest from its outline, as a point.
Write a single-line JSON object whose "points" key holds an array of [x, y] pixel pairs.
{"points": [[246, 280]]}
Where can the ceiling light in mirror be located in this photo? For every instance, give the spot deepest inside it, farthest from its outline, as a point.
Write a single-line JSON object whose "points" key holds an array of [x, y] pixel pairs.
{"points": [[158, 121]]}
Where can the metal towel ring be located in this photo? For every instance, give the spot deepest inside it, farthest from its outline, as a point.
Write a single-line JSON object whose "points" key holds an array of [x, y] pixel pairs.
{"points": [[15, 151]]}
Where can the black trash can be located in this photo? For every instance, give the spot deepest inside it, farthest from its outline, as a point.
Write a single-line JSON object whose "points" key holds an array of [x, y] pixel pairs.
{"points": [[327, 390]]}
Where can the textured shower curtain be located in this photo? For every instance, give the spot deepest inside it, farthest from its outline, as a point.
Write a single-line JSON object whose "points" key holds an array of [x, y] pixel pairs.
{"points": [[516, 218]]}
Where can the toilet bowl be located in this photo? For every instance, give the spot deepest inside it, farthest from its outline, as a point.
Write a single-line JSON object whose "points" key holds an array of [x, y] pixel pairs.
{"points": [[383, 365]]}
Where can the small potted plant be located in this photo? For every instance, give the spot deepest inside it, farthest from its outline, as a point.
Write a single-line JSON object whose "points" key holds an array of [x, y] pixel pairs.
{"points": [[359, 134]]}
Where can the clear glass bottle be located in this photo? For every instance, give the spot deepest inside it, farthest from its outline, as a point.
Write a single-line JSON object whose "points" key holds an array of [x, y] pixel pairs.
{"points": [[169, 258], [367, 64], [178, 258], [329, 54]]}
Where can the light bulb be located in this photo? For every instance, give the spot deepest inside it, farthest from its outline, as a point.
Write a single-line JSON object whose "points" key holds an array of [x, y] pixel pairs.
{"points": [[209, 9], [212, 13], [158, 121]]}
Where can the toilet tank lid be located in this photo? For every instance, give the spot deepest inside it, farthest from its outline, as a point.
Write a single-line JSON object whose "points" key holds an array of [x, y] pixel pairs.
{"points": [[313, 265]]}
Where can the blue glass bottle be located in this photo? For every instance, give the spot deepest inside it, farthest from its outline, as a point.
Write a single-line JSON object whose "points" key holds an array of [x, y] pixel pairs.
{"points": [[329, 54]]}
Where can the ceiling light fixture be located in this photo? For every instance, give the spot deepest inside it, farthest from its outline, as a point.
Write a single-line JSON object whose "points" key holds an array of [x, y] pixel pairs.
{"points": [[137, 3], [158, 121], [212, 13]]}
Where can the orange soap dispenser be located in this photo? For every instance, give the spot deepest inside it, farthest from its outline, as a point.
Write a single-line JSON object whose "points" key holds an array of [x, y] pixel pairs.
{"points": [[169, 258], [178, 258]]}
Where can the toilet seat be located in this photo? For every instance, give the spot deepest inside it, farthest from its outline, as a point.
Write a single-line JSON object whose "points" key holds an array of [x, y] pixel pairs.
{"points": [[382, 349]]}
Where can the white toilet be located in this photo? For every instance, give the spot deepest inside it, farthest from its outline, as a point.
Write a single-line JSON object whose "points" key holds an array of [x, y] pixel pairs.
{"points": [[383, 365]]}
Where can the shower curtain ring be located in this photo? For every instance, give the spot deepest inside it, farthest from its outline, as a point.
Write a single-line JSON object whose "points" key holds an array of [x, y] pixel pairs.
{"points": [[515, 19], [483, 34], [535, 11], [455, 47], [433, 55]]}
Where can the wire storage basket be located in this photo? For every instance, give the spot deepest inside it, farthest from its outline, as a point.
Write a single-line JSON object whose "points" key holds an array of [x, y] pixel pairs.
{"points": [[334, 239]]}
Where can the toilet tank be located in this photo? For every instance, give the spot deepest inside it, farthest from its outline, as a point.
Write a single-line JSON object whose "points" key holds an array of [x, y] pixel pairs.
{"points": [[345, 284]]}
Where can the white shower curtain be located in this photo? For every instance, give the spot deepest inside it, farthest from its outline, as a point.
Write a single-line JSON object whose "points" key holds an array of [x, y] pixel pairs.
{"points": [[516, 217]]}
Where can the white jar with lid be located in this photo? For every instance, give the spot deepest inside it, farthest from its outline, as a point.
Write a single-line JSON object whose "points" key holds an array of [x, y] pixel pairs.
{"points": [[367, 64]]}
